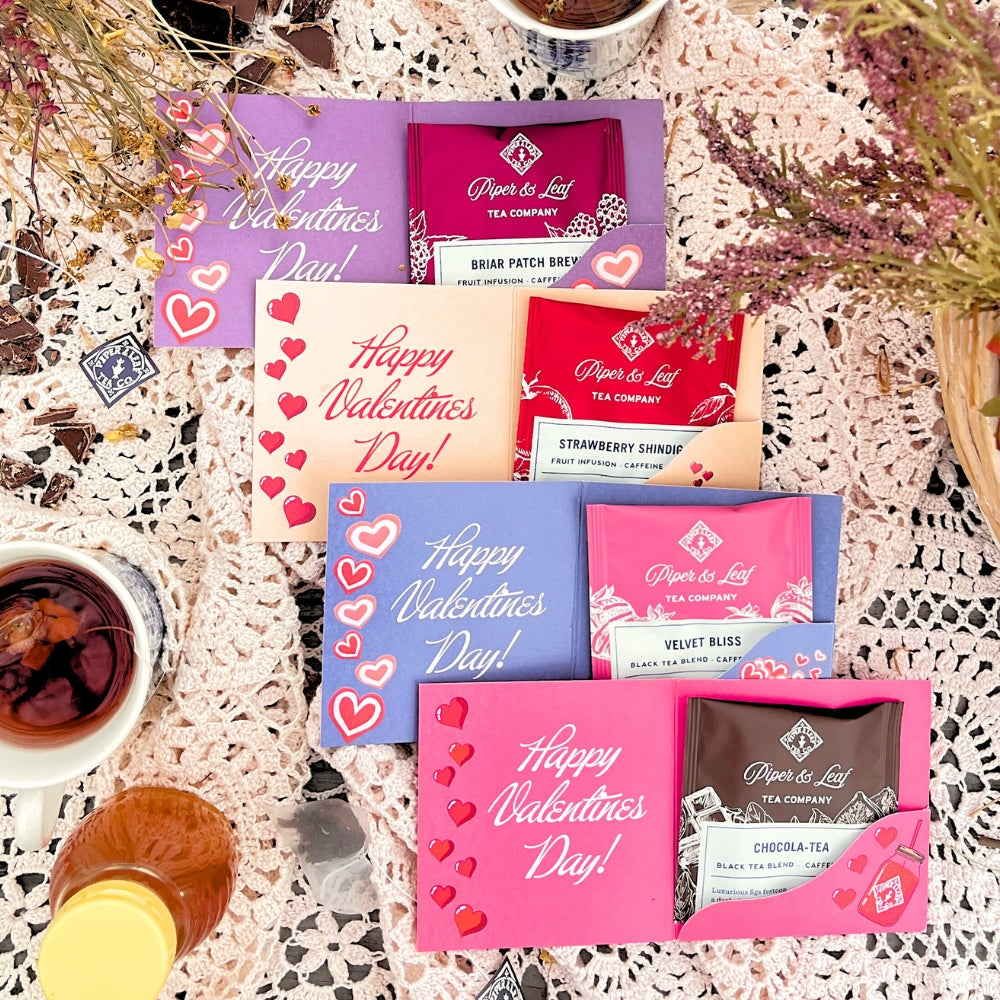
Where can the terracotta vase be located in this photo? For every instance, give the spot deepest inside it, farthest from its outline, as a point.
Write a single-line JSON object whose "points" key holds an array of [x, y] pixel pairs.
{"points": [[969, 375]]}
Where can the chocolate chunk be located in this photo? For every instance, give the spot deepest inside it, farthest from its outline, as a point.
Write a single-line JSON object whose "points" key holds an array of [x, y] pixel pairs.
{"points": [[32, 273], [250, 79], [14, 474], [245, 10], [202, 19], [314, 41], [59, 485], [309, 11], [13, 326], [77, 439], [17, 360], [60, 416]]}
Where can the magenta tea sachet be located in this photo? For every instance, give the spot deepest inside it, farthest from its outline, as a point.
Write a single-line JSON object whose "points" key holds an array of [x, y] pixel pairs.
{"points": [[493, 205]]}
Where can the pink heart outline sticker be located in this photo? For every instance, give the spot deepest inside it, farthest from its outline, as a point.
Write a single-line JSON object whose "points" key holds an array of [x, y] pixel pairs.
{"points": [[357, 612], [376, 673], [374, 538], [620, 267], [179, 111], [196, 214], [207, 144], [209, 277]]}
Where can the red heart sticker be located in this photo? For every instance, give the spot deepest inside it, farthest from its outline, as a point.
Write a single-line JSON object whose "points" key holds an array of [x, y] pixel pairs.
{"points": [[468, 920], [377, 673], [349, 647], [272, 485], [296, 459], [708, 475], [291, 405], [292, 347], [440, 848], [697, 482], [271, 441], [801, 659], [285, 309], [353, 715], [466, 867], [444, 776], [275, 368], [180, 111], [461, 812], [696, 467], [353, 574], [461, 752], [858, 863], [453, 714], [844, 897], [187, 317], [442, 894], [353, 505], [181, 251], [298, 511]]}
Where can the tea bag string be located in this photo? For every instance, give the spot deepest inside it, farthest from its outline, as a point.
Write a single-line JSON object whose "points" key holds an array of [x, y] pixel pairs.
{"points": [[88, 341]]}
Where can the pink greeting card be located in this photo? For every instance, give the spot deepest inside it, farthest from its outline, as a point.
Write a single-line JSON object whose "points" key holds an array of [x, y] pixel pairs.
{"points": [[549, 815], [395, 383]]}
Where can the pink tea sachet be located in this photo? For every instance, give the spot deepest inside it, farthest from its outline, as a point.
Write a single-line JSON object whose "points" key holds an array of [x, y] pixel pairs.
{"points": [[665, 564], [495, 205], [631, 404]]}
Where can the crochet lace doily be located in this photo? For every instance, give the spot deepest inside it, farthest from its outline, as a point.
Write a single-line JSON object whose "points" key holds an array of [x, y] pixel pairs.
{"points": [[232, 719]]}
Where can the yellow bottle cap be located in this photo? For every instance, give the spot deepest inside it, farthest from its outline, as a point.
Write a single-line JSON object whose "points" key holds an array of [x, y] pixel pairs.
{"points": [[113, 940]]}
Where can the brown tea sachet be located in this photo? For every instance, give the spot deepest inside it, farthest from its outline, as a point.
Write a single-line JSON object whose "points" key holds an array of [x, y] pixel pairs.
{"points": [[746, 762]]}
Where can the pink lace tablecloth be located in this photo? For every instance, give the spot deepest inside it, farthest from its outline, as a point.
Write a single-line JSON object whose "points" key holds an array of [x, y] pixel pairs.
{"points": [[918, 574]]}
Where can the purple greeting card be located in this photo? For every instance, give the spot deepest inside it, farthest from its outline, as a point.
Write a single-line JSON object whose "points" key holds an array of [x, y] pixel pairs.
{"points": [[343, 216]]}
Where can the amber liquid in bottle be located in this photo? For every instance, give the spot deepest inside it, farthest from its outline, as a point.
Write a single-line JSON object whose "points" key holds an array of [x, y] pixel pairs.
{"points": [[169, 840]]}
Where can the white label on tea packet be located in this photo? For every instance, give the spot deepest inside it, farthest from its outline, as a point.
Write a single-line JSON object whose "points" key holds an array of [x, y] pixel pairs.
{"points": [[689, 648], [751, 860], [597, 451], [536, 261]]}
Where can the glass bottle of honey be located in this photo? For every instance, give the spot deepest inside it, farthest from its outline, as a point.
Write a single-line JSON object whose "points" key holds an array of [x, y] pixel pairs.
{"points": [[141, 881]]}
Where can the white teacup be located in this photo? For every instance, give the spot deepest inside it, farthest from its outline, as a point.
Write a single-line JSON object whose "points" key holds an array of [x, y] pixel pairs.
{"points": [[38, 774], [589, 53]]}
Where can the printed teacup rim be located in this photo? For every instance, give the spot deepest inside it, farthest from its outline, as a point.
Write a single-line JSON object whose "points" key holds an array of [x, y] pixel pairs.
{"points": [[524, 20], [29, 767]]}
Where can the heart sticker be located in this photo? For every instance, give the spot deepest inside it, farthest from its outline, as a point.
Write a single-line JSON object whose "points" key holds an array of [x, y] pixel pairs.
{"points": [[708, 475], [291, 405], [272, 485], [461, 812], [189, 319], [442, 894], [285, 309], [468, 920], [819, 656], [184, 179], [357, 612], [696, 467], [697, 482], [466, 867], [378, 673], [298, 511], [858, 863], [619, 268], [844, 897], [271, 441], [374, 538], [210, 278], [461, 752], [296, 459], [353, 505], [763, 668], [206, 144], [179, 111], [885, 835], [801, 659], [181, 251], [292, 347], [583, 283], [453, 714], [354, 716], [440, 849], [353, 574], [197, 212], [275, 369], [444, 776], [349, 647]]}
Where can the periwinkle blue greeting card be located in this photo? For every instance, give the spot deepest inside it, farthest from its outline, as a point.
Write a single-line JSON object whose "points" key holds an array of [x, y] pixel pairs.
{"points": [[445, 582]]}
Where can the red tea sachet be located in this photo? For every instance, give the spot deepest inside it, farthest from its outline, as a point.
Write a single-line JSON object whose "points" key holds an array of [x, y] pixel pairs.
{"points": [[511, 205], [657, 564], [587, 362]]}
